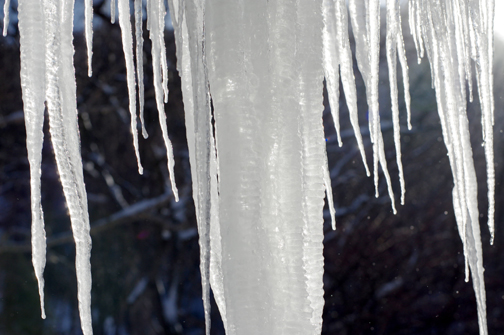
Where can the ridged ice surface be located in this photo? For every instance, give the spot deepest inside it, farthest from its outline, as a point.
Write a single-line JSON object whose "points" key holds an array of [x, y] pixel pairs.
{"points": [[395, 47], [271, 187]]}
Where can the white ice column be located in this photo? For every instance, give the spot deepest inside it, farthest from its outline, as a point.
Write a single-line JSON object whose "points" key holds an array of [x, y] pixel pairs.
{"points": [[265, 75]]}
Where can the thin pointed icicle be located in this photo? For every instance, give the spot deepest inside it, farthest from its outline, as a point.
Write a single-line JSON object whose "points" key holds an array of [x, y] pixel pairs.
{"points": [[32, 45], [112, 11], [484, 45], [88, 17], [331, 63], [373, 31], [139, 63], [6, 10], [216, 279], [329, 195], [62, 107], [489, 115], [440, 23], [127, 42], [347, 75], [401, 52], [154, 27], [404, 68], [392, 42], [162, 47]]}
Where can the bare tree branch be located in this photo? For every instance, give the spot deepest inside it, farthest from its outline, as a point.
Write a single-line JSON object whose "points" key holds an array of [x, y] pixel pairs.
{"points": [[127, 214]]}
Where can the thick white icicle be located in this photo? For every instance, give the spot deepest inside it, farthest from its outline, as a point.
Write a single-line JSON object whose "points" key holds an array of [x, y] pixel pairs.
{"points": [[158, 50], [271, 187], [88, 17], [127, 42], [61, 105], [32, 45], [309, 45], [6, 10], [139, 63]]}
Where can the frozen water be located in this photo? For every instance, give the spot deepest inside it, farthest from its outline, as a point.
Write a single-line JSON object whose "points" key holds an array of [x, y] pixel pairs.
{"points": [[258, 159], [32, 39], [62, 107]]}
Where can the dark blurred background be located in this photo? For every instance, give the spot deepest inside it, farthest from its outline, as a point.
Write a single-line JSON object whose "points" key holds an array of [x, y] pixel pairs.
{"points": [[384, 273]]}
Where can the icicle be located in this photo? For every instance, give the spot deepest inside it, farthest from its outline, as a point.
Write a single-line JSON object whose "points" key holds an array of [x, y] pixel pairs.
{"points": [[373, 31], [127, 41], [88, 15], [404, 68], [329, 195], [489, 117], [32, 44], [164, 62], [189, 33], [395, 45], [266, 182], [6, 11], [216, 278], [331, 63], [112, 11], [259, 200], [139, 63], [484, 45], [309, 56], [62, 108], [155, 27]]}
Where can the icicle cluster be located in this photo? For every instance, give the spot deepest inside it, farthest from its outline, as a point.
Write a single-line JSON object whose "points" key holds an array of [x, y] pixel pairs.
{"points": [[452, 33], [48, 79], [47, 74], [250, 60], [252, 77]]}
